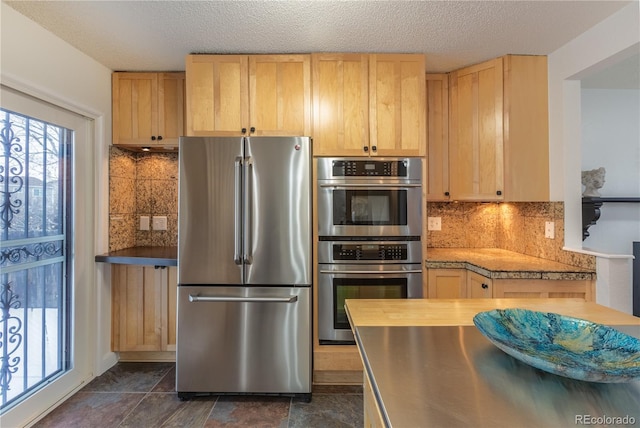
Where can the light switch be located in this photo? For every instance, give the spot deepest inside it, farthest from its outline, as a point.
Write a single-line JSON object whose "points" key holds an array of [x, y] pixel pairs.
{"points": [[144, 222], [159, 222]]}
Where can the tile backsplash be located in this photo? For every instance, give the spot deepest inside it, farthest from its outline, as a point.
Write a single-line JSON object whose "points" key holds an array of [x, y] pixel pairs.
{"points": [[514, 226], [142, 184]]}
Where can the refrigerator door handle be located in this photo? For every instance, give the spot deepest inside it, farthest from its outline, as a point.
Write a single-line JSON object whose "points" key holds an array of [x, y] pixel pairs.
{"points": [[285, 299], [248, 211], [237, 203]]}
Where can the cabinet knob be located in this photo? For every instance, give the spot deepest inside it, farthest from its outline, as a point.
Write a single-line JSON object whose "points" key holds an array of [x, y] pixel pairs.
{"points": [[244, 130], [252, 130], [446, 193], [153, 138], [366, 149], [159, 137], [374, 148], [499, 192], [485, 286]]}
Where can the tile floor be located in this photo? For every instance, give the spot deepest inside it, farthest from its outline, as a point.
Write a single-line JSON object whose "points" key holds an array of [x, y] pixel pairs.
{"points": [[142, 395]]}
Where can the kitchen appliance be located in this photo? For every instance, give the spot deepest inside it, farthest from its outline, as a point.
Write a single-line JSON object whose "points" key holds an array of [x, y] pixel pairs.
{"points": [[371, 269], [369, 226], [244, 266], [369, 197]]}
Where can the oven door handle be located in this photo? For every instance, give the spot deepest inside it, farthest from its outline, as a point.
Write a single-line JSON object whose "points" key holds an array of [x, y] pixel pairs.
{"points": [[370, 185], [369, 272]]}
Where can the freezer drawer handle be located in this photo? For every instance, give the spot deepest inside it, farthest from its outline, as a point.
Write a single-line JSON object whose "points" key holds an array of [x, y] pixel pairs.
{"points": [[286, 299], [370, 272]]}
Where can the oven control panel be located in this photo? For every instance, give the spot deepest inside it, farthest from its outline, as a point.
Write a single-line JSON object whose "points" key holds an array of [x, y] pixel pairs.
{"points": [[365, 168], [370, 252]]}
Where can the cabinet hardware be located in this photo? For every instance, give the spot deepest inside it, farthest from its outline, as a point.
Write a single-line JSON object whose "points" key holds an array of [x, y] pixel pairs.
{"points": [[374, 148], [485, 286], [366, 149], [159, 137], [499, 192], [252, 130], [446, 193], [153, 138], [244, 130]]}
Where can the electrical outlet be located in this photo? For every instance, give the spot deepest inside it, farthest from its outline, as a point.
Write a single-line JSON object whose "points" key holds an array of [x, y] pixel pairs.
{"points": [[159, 222], [549, 230], [144, 222], [434, 223]]}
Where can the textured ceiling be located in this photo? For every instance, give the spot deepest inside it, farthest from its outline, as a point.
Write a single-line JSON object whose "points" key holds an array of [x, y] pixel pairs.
{"points": [[156, 35]]}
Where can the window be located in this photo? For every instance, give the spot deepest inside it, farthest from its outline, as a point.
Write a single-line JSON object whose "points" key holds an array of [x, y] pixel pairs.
{"points": [[47, 345], [34, 206]]}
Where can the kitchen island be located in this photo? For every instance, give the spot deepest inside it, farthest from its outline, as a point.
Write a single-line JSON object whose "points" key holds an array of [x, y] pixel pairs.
{"points": [[427, 365]]}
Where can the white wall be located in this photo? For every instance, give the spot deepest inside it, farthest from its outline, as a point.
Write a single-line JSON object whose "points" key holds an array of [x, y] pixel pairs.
{"points": [[609, 41], [611, 139], [39, 64], [606, 43]]}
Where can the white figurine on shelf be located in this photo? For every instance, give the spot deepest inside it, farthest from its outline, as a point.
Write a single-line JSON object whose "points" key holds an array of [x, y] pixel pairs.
{"points": [[592, 181]]}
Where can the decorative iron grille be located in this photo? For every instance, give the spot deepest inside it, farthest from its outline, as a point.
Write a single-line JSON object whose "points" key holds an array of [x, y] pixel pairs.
{"points": [[34, 208]]}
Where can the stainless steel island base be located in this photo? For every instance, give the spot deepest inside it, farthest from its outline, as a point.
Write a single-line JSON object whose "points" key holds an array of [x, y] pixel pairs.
{"points": [[454, 377]]}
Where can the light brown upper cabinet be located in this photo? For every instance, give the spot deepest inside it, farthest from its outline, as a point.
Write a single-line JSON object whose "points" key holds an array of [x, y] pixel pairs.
{"points": [[475, 139], [257, 95], [397, 105], [498, 130], [437, 184], [340, 104], [148, 109], [369, 105]]}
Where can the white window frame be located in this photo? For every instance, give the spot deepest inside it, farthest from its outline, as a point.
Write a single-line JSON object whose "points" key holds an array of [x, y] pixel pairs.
{"points": [[81, 267]]}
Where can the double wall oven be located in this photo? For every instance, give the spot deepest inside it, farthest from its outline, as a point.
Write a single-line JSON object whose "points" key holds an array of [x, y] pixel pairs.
{"points": [[369, 227]]}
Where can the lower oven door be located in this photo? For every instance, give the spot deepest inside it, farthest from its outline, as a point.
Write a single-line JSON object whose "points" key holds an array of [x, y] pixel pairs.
{"points": [[338, 282]]}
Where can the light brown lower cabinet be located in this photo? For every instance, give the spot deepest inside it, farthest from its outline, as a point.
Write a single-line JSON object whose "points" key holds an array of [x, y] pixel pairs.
{"points": [[542, 288], [462, 283], [143, 309]]}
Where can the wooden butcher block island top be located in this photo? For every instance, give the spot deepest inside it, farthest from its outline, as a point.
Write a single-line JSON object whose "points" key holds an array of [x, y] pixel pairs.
{"points": [[458, 312], [426, 364]]}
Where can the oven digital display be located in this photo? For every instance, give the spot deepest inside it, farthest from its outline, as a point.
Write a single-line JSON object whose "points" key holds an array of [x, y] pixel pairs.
{"points": [[362, 168], [370, 252]]}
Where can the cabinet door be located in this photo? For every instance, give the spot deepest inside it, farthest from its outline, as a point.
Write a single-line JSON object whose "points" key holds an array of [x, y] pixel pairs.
{"points": [[217, 95], [136, 308], [169, 305], [280, 95], [478, 286], [539, 288], [397, 120], [526, 128], [340, 104], [475, 138], [446, 283], [134, 108], [170, 108], [437, 137]]}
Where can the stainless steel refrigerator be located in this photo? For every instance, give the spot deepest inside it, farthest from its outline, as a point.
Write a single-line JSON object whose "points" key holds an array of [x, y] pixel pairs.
{"points": [[244, 266]]}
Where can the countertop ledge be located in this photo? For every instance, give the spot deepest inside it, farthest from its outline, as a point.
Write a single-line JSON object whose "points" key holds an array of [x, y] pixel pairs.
{"points": [[503, 264], [153, 256]]}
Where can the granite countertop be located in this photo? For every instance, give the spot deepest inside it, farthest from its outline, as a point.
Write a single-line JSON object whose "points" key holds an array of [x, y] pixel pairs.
{"points": [[154, 256], [503, 264]]}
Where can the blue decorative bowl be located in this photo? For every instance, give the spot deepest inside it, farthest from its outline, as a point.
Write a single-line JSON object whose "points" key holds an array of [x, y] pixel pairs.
{"points": [[562, 345]]}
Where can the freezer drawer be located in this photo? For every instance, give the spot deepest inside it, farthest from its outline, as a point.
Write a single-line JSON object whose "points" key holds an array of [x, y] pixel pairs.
{"points": [[244, 340]]}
